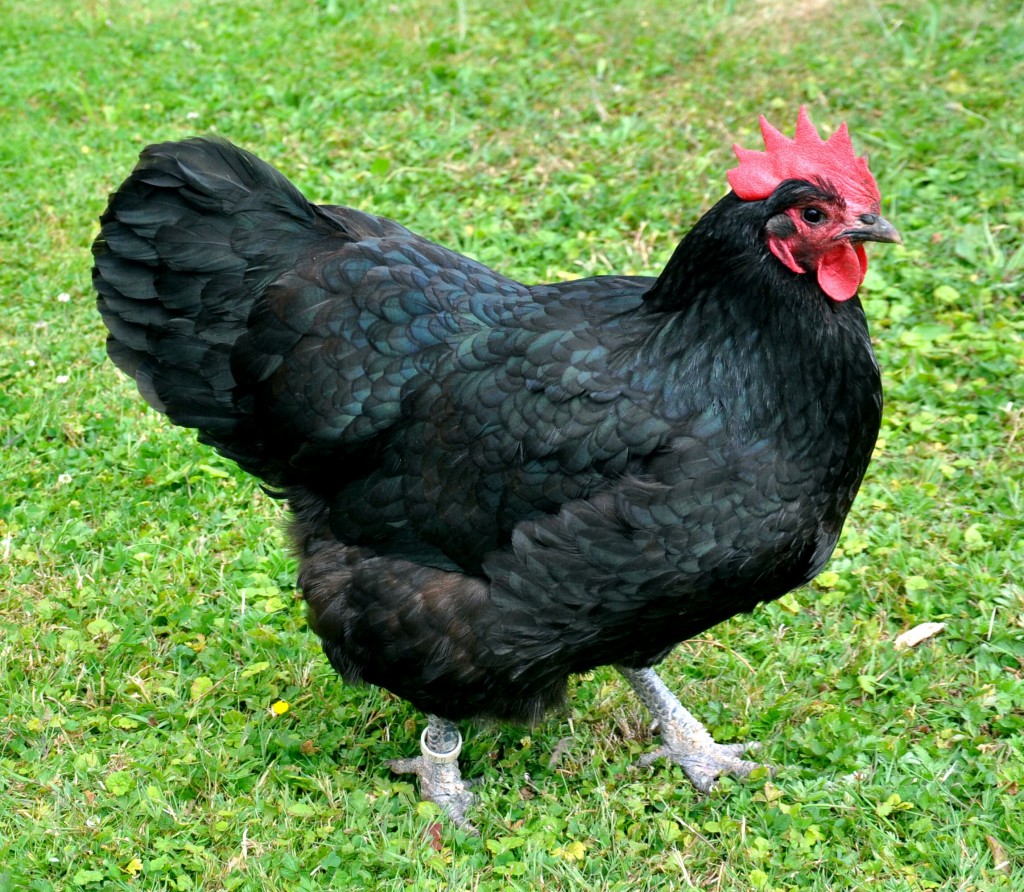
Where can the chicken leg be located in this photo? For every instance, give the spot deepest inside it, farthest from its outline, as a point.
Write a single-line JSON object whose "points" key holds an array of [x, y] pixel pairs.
{"points": [[685, 740], [438, 769]]}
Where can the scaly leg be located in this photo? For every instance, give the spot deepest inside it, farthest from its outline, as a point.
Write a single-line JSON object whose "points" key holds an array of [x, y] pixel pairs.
{"points": [[684, 740], [438, 769]]}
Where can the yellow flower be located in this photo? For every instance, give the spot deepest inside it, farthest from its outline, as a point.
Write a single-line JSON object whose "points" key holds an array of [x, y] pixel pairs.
{"points": [[280, 707], [133, 867]]}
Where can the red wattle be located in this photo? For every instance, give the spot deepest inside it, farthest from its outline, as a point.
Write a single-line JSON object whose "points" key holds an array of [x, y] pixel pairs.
{"points": [[842, 269]]}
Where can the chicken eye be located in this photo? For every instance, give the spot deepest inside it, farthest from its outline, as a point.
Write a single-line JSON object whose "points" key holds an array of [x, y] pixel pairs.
{"points": [[813, 215]]}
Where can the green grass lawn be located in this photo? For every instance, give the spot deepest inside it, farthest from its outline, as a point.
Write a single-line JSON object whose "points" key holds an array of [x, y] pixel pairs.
{"points": [[147, 602]]}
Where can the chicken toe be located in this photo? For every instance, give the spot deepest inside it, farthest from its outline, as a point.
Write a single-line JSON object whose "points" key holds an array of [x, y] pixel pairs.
{"points": [[685, 740], [437, 767]]}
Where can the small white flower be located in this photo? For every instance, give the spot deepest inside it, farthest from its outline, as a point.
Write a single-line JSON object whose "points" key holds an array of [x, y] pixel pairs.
{"points": [[64, 479], [31, 363], [63, 379], [191, 116], [64, 297], [39, 326]]}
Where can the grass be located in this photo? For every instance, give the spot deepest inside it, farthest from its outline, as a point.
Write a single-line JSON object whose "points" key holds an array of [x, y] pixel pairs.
{"points": [[149, 615]]}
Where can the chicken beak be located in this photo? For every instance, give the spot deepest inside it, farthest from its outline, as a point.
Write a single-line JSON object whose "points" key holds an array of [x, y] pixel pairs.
{"points": [[872, 228]]}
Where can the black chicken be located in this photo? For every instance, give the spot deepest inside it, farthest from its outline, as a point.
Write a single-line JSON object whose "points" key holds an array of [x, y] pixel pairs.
{"points": [[494, 485]]}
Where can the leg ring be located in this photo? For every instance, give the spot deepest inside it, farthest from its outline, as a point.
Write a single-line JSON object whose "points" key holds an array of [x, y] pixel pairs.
{"points": [[442, 758]]}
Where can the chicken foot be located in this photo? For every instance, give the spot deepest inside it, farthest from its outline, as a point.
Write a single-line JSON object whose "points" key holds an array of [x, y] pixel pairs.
{"points": [[685, 740], [438, 769]]}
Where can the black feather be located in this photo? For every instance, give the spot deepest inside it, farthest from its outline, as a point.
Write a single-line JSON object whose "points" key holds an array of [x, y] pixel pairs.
{"points": [[494, 485]]}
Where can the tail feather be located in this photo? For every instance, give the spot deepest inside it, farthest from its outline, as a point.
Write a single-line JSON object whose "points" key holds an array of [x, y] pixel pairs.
{"points": [[187, 245]]}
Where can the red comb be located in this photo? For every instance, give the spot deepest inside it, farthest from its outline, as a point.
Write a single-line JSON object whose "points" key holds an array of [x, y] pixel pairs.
{"points": [[805, 157]]}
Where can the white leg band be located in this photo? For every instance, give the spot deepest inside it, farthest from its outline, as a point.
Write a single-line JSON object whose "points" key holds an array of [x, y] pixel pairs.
{"points": [[442, 758]]}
